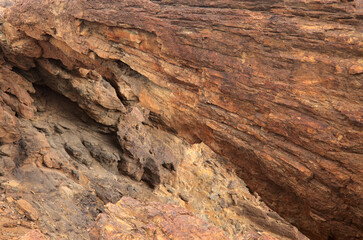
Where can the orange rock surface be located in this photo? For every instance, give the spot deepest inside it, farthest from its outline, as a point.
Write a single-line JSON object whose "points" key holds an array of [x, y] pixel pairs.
{"points": [[130, 219], [273, 86]]}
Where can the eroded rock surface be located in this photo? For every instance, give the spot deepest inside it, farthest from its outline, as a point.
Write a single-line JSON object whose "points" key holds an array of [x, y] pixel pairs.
{"points": [[273, 86], [152, 221], [130, 218], [65, 167]]}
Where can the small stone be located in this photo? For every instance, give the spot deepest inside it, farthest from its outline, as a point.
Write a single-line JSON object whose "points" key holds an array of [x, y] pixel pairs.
{"points": [[235, 199], [10, 199], [355, 69], [84, 72], [171, 190], [223, 203], [184, 197], [27, 209], [237, 226], [218, 209], [6, 150], [12, 184], [232, 184], [213, 196], [131, 188]]}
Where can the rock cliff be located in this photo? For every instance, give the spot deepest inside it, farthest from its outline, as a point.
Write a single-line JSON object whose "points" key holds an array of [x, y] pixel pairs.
{"points": [[274, 87]]}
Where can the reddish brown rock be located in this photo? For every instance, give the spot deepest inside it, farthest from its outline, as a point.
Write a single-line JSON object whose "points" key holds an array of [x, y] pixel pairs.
{"points": [[14, 99], [92, 93], [15, 93], [33, 235], [8, 127], [27, 209], [79, 167], [274, 86], [250, 235], [131, 219]]}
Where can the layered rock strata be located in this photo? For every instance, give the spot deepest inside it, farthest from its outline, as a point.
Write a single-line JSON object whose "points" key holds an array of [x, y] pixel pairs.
{"points": [[273, 86], [64, 167]]}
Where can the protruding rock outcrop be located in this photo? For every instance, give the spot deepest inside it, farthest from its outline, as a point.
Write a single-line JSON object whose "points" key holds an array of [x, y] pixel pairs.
{"points": [[57, 177], [273, 86]]}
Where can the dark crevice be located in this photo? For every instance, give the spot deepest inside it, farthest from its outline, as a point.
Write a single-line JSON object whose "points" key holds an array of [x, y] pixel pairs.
{"points": [[122, 98], [169, 166], [31, 75], [157, 121]]}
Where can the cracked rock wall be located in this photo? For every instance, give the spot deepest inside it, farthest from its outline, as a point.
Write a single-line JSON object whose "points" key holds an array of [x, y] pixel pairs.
{"points": [[273, 86]]}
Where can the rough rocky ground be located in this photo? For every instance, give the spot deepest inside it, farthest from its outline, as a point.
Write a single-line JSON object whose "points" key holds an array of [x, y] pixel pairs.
{"points": [[274, 87], [67, 167]]}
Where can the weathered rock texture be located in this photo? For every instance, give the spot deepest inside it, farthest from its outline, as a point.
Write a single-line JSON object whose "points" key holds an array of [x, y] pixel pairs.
{"points": [[153, 221], [273, 86], [57, 177], [131, 219]]}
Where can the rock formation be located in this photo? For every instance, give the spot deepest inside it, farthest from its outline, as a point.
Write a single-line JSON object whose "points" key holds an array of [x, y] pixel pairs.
{"points": [[152, 221], [274, 87]]}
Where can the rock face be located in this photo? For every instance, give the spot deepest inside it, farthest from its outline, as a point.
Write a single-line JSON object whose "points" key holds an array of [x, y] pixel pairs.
{"points": [[153, 221], [33, 235], [157, 221], [273, 86], [57, 177]]}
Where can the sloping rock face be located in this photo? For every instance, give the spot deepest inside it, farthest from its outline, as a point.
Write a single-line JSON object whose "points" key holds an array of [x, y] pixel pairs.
{"points": [[157, 221], [273, 86], [153, 221], [64, 167]]}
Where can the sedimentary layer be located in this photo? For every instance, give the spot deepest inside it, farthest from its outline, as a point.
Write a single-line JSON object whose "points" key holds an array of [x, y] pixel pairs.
{"points": [[275, 87]]}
